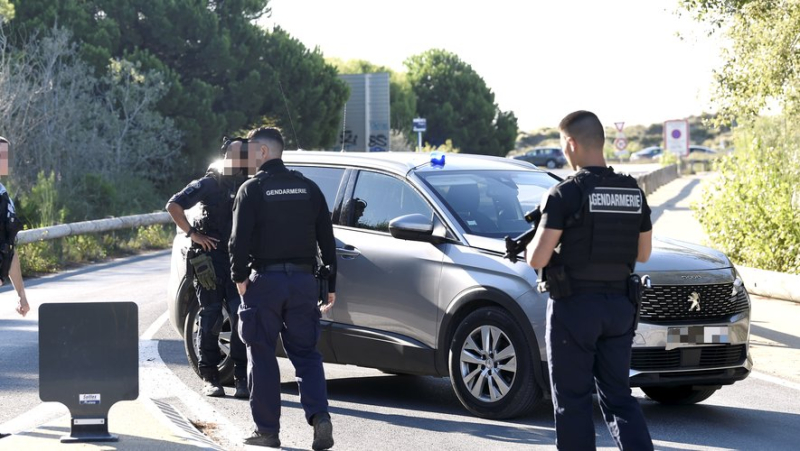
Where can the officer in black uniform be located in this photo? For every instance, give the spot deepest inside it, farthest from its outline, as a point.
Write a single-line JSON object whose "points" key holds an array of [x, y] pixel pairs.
{"points": [[600, 222], [209, 259], [280, 218]]}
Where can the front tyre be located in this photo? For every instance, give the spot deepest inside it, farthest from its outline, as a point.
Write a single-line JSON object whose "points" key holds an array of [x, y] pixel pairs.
{"points": [[191, 342], [681, 395], [491, 367]]}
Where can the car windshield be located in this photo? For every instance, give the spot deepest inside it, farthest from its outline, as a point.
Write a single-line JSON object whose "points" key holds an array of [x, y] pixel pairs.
{"points": [[490, 203]]}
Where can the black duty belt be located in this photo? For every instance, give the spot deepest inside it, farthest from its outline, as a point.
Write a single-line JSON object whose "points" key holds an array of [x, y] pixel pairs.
{"points": [[286, 267], [591, 286]]}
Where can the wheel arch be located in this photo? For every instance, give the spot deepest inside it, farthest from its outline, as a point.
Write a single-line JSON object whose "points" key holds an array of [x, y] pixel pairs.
{"points": [[467, 302]]}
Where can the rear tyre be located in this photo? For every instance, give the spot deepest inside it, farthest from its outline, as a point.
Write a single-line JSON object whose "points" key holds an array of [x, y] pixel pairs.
{"points": [[682, 395], [191, 342], [491, 367], [551, 164]]}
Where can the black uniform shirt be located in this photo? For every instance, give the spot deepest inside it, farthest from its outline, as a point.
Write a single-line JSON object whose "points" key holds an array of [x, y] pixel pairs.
{"points": [[565, 198], [208, 192], [279, 217]]}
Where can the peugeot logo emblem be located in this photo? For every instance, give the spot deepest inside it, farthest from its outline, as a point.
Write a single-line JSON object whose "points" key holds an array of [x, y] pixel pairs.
{"points": [[694, 298], [691, 277]]}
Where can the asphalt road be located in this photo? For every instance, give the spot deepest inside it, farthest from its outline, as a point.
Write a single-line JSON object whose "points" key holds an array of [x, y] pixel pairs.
{"points": [[375, 411]]}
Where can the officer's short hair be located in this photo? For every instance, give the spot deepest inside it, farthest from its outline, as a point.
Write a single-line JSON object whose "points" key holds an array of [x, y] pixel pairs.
{"points": [[267, 134], [584, 127]]}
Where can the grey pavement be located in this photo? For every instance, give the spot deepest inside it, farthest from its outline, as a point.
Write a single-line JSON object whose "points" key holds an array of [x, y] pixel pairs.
{"points": [[150, 423]]}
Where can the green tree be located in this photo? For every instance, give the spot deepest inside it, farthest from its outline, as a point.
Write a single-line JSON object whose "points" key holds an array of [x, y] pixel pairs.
{"points": [[762, 65], [458, 105], [224, 73], [6, 11], [761, 69], [402, 100]]}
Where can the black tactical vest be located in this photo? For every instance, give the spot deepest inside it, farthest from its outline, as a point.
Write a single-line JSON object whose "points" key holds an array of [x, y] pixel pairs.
{"points": [[290, 232], [600, 242], [217, 210]]}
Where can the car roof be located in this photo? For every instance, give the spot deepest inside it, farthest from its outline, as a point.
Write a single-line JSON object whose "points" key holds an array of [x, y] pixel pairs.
{"points": [[405, 162]]}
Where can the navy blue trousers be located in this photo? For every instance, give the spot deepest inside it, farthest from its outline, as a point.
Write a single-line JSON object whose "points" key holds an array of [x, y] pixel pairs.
{"points": [[285, 303], [211, 304], [589, 339]]}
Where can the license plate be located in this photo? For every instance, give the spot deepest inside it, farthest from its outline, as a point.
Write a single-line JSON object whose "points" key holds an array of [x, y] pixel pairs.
{"points": [[696, 335]]}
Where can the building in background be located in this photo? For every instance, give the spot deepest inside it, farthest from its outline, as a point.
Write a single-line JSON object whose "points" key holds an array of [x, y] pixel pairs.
{"points": [[366, 114]]}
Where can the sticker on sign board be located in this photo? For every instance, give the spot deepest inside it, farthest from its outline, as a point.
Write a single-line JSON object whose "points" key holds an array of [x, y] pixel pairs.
{"points": [[85, 421], [93, 398]]}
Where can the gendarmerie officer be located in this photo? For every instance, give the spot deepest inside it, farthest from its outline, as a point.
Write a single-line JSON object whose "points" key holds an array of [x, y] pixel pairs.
{"points": [[279, 220], [601, 222], [209, 258]]}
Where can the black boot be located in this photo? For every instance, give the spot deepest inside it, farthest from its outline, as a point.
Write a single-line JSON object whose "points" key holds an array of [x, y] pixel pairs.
{"points": [[263, 439], [212, 387], [242, 392], [323, 431]]}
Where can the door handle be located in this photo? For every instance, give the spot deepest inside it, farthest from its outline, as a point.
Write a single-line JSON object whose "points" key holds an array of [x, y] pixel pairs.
{"points": [[348, 252]]}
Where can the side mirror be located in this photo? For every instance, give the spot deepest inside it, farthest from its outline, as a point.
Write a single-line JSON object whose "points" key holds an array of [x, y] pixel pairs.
{"points": [[414, 227]]}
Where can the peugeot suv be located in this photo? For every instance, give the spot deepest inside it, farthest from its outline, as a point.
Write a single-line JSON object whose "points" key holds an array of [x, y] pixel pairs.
{"points": [[423, 287]]}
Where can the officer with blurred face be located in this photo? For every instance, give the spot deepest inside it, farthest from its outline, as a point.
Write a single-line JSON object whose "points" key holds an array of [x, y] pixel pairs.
{"points": [[280, 218], [209, 260], [595, 226]]}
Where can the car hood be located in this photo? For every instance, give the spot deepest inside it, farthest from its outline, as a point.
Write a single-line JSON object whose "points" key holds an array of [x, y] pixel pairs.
{"points": [[668, 254]]}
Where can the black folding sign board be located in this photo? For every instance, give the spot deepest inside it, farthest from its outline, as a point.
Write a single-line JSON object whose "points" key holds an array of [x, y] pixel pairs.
{"points": [[88, 360]]}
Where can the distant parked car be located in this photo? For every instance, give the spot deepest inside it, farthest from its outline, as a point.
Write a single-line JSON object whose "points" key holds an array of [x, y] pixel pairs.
{"points": [[702, 150], [549, 157], [649, 153]]}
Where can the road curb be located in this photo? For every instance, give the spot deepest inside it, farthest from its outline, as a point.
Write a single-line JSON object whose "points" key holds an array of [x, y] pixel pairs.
{"points": [[771, 284]]}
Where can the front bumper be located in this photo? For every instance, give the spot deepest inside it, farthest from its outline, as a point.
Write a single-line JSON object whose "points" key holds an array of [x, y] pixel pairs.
{"points": [[660, 360]]}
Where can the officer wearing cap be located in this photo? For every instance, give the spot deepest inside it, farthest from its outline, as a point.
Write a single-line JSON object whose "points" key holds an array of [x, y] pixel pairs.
{"points": [[280, 218], [209, 260], [595, 226]]}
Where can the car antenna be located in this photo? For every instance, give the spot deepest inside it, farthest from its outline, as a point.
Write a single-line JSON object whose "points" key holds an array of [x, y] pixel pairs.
{"points": [[289, 114]]}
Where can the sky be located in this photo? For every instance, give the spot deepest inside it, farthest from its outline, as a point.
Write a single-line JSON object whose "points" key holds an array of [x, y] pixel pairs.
{"points": [[631, 61]]}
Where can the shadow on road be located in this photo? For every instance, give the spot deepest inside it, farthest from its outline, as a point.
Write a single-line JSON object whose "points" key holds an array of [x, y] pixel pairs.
{"points": [[720, 427], [790, 341], [90, 268], [670, 205]]}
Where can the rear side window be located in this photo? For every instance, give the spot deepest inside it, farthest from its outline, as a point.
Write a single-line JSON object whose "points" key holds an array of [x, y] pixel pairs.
{"points": [[328, 180], [379, 198]]}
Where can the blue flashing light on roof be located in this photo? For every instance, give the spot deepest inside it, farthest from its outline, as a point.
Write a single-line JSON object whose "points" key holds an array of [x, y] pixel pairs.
{"points": [[437, 160]]}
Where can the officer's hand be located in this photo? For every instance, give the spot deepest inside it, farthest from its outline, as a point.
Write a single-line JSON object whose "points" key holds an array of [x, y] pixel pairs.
{"points": [[22, 306], [241, 287], [331, 301], [205, 241]]}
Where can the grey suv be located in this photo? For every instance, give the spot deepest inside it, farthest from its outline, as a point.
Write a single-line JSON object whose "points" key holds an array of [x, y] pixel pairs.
{"points": [[423, 288]]}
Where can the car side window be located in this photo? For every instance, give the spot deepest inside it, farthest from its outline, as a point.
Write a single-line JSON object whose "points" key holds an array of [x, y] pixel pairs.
{"points": [[328, 180], [379, 198]]}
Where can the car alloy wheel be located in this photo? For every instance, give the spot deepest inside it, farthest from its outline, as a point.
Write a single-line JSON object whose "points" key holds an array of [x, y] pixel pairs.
{"points": [[488, 363], [491, 365], [551, 164]]}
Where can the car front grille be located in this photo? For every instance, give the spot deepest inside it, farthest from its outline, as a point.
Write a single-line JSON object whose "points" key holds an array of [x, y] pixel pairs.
{"points": [[669, 303], [648, 359]]}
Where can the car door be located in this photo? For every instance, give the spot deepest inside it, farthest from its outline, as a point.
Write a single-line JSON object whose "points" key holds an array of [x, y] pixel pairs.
{"points": [[329, 180], [385, 314]]}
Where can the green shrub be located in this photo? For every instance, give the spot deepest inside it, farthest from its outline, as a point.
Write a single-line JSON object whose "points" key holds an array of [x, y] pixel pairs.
{"points": [[747, 208]]}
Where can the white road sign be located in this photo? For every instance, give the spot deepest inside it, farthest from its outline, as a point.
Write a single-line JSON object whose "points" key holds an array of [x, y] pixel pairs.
{"points": [[676, 137]]}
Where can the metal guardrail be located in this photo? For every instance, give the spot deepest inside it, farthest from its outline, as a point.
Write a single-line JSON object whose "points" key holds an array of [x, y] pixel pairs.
{"points": [[653, 180], [99, 225]]}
